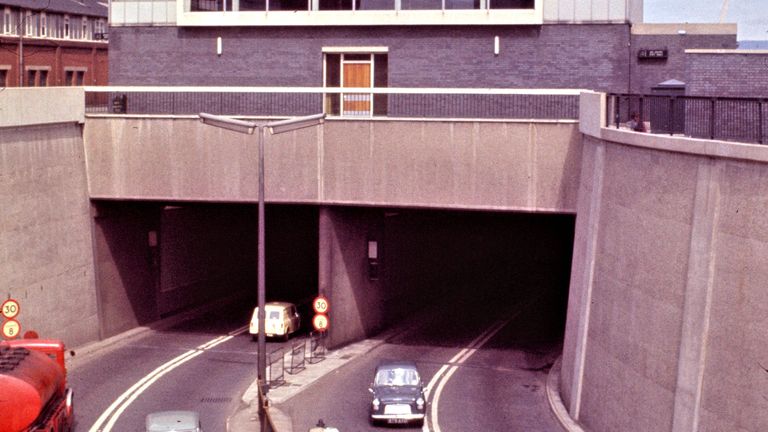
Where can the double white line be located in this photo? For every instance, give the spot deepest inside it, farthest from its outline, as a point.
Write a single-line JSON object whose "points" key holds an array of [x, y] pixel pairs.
{"points": [[108, 418], [442, 376]]}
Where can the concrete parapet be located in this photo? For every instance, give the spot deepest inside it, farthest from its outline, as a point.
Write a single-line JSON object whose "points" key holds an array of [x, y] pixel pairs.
{"points": [[25, 106]]}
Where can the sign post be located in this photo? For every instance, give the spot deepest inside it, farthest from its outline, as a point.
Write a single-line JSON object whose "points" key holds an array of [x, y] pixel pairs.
{"points": [[10, 310], [321, 306]]}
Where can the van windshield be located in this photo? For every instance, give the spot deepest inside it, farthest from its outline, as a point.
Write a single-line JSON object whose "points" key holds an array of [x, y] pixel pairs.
{"points": [[273, 315]]}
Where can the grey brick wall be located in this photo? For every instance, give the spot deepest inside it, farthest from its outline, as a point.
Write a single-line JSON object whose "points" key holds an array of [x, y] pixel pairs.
{"points": [[648, 73], [742, 75], [549, 56], [590, 56]]}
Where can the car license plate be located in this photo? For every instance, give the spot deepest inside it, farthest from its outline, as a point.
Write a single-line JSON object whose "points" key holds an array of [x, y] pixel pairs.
{"points": [[397, 409], [398, 420]]}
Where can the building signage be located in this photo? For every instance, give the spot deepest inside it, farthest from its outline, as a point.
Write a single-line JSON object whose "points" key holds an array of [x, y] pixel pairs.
{"points": [[660, 53]]}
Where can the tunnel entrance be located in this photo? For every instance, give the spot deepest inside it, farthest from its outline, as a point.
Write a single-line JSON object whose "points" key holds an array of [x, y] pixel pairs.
{"points": [[155, 260], [482, 258]]}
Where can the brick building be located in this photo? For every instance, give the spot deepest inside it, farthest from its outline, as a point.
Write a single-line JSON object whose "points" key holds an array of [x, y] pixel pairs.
{"points": [[400, 43], [53, 43]]}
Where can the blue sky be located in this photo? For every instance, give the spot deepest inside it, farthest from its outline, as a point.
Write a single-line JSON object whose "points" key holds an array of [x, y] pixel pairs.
{"points": [[750, 15]]}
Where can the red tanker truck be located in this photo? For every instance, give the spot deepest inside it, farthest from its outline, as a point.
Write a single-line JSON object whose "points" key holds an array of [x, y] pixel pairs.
{"points": [[33, 387]]}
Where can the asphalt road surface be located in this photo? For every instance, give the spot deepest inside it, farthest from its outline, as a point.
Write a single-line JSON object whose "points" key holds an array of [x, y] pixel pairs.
{"points": [[486, 365], [210, 379], [485, 358]]}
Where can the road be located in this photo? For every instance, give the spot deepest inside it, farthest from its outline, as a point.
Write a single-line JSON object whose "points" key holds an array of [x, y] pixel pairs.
{"points": [[210, 381], [498, 384], [485, 357]]}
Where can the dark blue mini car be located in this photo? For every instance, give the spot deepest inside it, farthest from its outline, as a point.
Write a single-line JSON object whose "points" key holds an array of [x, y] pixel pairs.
{"points": [[398, 394]]}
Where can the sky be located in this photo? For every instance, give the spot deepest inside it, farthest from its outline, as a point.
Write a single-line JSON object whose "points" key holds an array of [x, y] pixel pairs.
{"points": [[750, 15]]}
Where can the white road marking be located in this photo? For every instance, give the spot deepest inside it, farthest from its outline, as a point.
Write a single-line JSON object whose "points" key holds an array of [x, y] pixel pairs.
{"points": [[120, 404], [441, 377]]}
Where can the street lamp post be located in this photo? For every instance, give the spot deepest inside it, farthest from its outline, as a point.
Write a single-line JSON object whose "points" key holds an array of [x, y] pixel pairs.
{"points": [[249, 127]]}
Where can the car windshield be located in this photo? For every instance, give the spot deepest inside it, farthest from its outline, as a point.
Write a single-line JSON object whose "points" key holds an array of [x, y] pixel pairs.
{"points": [[397, 377]]}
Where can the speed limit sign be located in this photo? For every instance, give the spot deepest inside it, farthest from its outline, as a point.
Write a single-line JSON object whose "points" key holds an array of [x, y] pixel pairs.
{"points": [[10, 309], [321, 305], [320, 322], [11, 329]]}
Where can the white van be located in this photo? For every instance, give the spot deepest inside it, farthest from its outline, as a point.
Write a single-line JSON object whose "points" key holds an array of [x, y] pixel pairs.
{"points": [[282, 319]]}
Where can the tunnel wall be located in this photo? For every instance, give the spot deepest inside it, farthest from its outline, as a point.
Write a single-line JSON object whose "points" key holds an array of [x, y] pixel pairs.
{"points": [[668, 288], [46, 260], [479, 165], [127, 266], [356, 298]]}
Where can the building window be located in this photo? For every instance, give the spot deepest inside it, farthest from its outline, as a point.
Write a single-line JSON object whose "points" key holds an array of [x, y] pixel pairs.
{"points": [[7, 23], [54, 26], [66, 27], [4, 76], [358, 70], [37, 77], [43, 24], [86, 34], [355, 5], [75, 29], [28, 24], [74, 77]]}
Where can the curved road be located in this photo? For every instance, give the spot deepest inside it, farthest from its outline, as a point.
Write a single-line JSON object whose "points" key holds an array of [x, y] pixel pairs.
{"points": [[493, 359], [209, 380], [485, 358]]}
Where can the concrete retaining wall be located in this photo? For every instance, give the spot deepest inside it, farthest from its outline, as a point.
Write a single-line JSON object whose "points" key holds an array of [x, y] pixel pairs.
{"points": [[46, 258], [667, 293]]}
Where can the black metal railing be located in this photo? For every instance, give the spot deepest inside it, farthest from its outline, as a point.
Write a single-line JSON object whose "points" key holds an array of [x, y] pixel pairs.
{"points": [[721, 118], [342, 102]]}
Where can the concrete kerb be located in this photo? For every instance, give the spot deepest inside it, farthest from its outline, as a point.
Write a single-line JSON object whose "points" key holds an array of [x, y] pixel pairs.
{"points": [[246, 418], [556, 403]]}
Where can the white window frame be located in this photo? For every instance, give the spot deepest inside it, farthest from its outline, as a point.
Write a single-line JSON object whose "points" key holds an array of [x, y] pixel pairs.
{"points": [[7, 23], [28, 23], [43, 24], [393, 17], [342, 51], [84, 25]]}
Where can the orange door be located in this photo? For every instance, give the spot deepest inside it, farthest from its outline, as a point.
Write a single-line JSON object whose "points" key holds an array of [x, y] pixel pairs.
{"points": [[357, 75]]}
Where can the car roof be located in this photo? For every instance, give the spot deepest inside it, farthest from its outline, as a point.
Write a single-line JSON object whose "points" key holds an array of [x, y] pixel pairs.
{"points": [[396, 364], [277, 304], [169, 421]]}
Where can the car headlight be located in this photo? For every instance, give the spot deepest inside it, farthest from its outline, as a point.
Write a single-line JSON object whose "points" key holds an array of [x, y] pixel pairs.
{"points": [[420, 403], [376, 403]]}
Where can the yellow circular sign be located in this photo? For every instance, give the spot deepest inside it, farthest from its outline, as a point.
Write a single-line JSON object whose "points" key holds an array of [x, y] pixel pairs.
{"points": [[11, 329], [320, 322], [10, 308]]}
